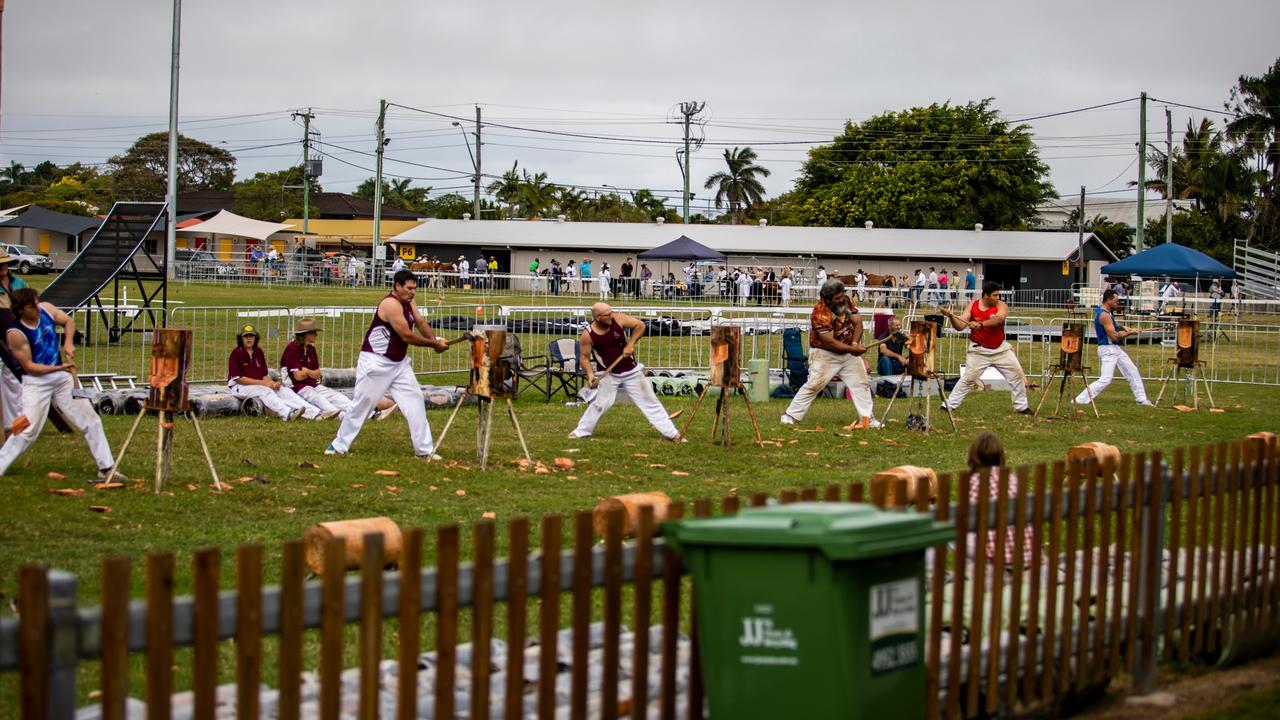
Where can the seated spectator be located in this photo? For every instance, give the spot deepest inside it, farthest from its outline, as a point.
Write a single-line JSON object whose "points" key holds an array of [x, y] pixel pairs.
{"points": [[302, 364], [986, 458], [893, 360], [247, 378]]}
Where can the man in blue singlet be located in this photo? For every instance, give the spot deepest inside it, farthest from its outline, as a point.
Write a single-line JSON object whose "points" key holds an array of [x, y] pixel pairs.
{"points": [[1111, 355], [33, 341]]}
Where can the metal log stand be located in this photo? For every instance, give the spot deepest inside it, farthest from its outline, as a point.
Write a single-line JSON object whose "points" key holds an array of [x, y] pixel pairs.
{"points": [[1070, 357], [492, 378], [168, 398], [726, 374], [922, 346], [1186, 357]]}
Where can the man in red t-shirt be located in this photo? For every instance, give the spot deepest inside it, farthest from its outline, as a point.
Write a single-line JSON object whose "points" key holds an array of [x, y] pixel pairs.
{"points": [[247, 377], [984, 319], [300, 364], [835, 348]]}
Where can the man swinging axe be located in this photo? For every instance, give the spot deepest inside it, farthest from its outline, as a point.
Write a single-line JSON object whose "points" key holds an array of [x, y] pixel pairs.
{"points": [[48, 380], [605, 348], [984, 319]]}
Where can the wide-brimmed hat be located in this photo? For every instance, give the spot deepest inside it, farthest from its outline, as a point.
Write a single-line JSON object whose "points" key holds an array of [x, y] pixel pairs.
{"points": [[304, 325], [247, 330], [6, 258]]}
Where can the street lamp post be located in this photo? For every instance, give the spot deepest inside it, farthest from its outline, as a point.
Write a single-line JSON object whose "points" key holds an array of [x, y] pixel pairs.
{"points": [[475, 179], [617, 192]]}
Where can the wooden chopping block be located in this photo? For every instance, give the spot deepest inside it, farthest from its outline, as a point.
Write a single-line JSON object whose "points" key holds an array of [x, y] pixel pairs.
{"points": [[353, 532], [1257, 442], [631, 504], [1107, 456], [910, 473]]}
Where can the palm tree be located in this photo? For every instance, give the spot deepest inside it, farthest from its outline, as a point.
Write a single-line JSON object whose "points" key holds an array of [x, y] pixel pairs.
{"points": [[739, 186], [571, 202], [507, 188], [536, 195], [14, 172], [1255, 102], [650, 205]]}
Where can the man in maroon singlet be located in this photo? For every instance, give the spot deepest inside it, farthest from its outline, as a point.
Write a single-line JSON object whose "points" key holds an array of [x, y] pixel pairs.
{"points": [[384, 368], [984, 319], [604, 341]]}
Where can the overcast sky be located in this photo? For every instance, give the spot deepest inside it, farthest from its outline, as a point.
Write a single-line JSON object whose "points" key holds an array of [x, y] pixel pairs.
{"points": [[82, 79]]}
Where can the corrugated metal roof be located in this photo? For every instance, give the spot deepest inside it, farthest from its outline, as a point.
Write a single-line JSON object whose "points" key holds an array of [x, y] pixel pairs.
{"points": [[752, 239]]}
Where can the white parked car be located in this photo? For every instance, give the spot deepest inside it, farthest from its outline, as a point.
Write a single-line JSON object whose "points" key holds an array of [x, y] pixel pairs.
{"points": [[26, 260]]}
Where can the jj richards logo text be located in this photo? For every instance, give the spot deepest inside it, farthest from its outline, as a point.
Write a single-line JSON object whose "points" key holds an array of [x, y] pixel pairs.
{"points": [[760, 633]]}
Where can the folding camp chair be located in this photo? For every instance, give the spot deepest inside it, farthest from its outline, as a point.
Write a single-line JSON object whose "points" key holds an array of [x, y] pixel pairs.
{"points": [[529, 375], [795, 362], [565, 372]]}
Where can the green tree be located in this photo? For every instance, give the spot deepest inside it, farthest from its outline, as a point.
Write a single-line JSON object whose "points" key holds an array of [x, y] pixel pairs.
{"points": [[535, 195], [1117, 236], [75, 189], [272, 196], [1255, 103], [1195, 229], [739, 185], [140, 172], [941, 166], [506, 189], [397, 192]]}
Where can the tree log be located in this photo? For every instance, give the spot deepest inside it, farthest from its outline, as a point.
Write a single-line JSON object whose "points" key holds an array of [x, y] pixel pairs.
{"points": [[631, 504], [1107, 456], [353, 532], [910, 473]]}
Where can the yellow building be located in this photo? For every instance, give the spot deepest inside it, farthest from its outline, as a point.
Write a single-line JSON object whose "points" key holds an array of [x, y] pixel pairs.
{"points": [[327, 234]]}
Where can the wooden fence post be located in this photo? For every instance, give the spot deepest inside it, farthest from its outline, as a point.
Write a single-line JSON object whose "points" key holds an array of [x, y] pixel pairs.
{"points": [[1151, 534]]}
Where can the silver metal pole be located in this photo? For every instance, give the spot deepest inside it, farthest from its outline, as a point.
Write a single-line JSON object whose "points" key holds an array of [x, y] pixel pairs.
{"points": [[171, 195]]}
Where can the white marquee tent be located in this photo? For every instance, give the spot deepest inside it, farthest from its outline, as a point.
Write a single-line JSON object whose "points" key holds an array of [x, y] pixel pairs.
{"points": [[228, 223]]}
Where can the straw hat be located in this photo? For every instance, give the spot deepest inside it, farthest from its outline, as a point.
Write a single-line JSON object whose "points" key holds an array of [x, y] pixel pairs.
{"points": [[5, 258], [305, 325]]}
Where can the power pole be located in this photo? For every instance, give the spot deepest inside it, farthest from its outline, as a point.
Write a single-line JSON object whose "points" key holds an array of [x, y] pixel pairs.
{"points": [[171, 191], [476, 201], [1084, 277], [1168, 176], [688, 110], [1138, 244], [377, 180], [307, 117]]}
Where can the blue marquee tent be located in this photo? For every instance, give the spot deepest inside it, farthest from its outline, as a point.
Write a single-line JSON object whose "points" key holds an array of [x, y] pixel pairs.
{"points": [[1169, 259]]}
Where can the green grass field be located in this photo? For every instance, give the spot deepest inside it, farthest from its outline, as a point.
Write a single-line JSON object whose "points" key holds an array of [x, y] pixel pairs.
{"points": [[286, 494]]}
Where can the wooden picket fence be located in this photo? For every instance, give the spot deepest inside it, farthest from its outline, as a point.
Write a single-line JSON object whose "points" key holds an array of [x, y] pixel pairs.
{"points": [[1155, 561]]}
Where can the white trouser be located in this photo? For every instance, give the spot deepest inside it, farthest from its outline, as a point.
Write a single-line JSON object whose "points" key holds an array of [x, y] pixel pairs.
{"points": [[37, 392], [824, 365], [280, 403], [10, 395], [376, 376], [1111, 357], [1004, 360], [637, 387], [325, 398]]}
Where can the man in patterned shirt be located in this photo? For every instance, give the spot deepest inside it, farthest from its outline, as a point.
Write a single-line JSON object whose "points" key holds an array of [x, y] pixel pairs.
{"points": [[835, 342]]}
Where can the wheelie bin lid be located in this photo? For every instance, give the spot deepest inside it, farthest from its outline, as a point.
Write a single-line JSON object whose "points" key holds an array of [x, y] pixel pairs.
{"points": [[841, 531]]}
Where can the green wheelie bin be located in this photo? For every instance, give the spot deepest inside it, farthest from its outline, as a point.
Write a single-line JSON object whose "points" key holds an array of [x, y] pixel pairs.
{"points": [[811, 610]]}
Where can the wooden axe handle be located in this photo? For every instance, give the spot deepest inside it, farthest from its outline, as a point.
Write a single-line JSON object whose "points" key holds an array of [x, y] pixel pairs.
{"points": [[886, 338]]}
